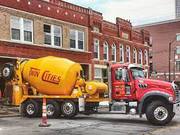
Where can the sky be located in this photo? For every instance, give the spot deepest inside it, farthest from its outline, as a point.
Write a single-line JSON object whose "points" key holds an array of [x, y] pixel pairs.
{"points": [[137, 11]]}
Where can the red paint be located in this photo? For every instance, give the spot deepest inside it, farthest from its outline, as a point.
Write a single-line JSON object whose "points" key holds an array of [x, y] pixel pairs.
{"points": [[137, 93]]}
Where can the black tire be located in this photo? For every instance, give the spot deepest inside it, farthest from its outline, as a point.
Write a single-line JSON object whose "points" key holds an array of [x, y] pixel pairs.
{"points": [[159, 113], [69, 109], [30, 108], [7, 71], [53, 109]]}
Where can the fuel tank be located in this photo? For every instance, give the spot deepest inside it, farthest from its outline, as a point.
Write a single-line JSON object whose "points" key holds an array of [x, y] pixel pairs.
{"points": [[93, 87]]}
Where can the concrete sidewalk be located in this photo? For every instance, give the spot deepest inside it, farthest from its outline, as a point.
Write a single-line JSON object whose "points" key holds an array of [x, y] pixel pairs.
{"points": [[8, 111]]}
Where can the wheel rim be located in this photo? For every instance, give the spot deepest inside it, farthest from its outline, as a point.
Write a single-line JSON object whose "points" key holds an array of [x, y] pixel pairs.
{"points": [[50, 109], [160, 113], [68, 108], [6, 72], [30, 109]]}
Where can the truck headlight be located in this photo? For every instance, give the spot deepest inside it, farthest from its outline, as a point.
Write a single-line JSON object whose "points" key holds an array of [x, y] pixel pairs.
{"points": [[171, 99]]}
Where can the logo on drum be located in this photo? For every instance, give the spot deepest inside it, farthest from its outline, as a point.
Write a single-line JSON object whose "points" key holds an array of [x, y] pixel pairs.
{"points": [[51, 78], [34, 72]]}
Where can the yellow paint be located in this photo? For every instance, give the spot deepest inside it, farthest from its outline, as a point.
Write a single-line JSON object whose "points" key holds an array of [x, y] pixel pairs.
{"points": [[54, 78]]}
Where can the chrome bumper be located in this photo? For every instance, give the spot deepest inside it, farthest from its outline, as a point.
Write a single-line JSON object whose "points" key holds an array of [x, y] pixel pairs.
{"points": [[176, 107]]}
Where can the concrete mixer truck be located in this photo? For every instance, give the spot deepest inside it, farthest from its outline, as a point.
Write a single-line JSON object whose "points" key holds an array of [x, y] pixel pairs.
{"points": [[60, 82], [56, 79]]}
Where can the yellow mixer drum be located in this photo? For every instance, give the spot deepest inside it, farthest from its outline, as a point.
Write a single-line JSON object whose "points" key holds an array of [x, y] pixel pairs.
{"points": [[51, 75]]}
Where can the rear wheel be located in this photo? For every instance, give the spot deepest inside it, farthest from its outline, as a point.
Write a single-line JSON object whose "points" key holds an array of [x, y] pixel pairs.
{"points": [[30, 108], [53, 109], [69, 109], [159, 113]]}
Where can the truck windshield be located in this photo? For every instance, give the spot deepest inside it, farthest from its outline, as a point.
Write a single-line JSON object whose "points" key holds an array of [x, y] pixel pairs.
{"points": [[137, 73]]}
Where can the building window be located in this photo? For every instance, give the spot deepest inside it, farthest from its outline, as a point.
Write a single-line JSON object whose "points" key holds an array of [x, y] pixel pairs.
{"points": [[128, 54], [105, 51], [134, 55], [140, 57], [57, 36], [121, 53], [76, 40], [52, 35], [27, 30], [125, 35], [178, 66], [96, 48], [114, 53], [96, 29], [146, 57], [98, 74], [101, 74], [21, 29]]}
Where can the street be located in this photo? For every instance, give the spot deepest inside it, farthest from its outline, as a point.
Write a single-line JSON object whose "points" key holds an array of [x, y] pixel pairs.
{"points": [[94, 124]]}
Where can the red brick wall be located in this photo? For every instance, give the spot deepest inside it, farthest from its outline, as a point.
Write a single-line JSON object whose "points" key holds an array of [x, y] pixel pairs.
{"points": [[162, 34], [31, 51]]}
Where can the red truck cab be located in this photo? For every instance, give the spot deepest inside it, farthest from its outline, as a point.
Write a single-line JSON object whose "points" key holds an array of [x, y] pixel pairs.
{"points": [[132, 93]]}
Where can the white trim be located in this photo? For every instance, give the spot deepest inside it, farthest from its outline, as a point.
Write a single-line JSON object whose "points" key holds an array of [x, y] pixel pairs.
{"points": [[129, 53], [114, 47], [77, 39], [21, 28], [96, 44], [106, 45], [100, 66], [146, 57], [136, 58], [52, 35], [121, 54], [140, 52]]}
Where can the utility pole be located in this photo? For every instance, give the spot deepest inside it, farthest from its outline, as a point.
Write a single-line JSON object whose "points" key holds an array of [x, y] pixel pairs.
{"points": [[170, 43]]}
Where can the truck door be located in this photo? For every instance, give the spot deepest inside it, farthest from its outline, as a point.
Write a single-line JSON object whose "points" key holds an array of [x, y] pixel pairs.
{"points": [[121, 88]]}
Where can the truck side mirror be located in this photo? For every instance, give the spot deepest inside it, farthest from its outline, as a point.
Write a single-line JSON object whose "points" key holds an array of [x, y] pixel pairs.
{"points": [[124, 74]]}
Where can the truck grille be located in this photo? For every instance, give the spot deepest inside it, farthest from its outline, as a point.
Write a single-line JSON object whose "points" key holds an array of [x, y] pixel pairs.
{"points": [[177, 92]]}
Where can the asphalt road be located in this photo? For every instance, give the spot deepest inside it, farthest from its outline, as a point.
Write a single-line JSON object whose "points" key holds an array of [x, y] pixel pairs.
{"points": [[105, 124]]}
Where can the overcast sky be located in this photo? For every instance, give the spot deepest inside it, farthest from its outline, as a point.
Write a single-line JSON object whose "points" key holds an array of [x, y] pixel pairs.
{"points": [[138, 11]]}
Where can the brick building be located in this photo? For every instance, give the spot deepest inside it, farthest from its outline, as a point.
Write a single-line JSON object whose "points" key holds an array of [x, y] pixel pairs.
{"points": [[36, 28], [162, 33]]}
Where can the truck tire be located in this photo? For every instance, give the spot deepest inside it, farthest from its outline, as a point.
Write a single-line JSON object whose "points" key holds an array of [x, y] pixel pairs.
{"points": [[7, 71], [53, 109], [30, 108], [159, 113], [68, 109]]}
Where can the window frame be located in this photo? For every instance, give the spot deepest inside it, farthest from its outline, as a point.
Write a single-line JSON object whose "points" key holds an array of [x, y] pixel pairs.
{"points": [[106, 45], [121, 48], [114, 48], [52, 35], [128, 53], [21, 28], [146, 57], [140, 52], [135, 54], [77, 39], [98, 46]]}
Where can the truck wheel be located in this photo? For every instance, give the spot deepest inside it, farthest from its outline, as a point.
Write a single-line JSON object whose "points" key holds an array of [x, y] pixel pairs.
{"points": [[30, 108], [7, 71], [53, 109], [159, 113], [68, 109]]}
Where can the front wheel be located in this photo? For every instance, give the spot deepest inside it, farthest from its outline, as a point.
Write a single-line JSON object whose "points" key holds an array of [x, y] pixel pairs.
{"points": [[159, 113]]}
